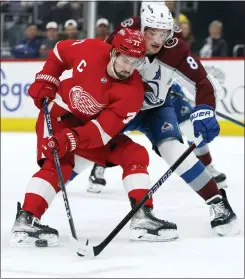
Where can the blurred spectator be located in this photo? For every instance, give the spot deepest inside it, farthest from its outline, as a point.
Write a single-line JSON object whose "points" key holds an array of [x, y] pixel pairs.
{"points": [[29, 46], [46, 13], [188, 36], [172, 7], [102, 29], [52, 37], [76, 9], [61, 11], [70, 30], [16, 33], [214, 45]]}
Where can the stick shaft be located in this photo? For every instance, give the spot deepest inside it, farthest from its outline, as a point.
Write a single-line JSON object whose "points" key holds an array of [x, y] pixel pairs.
{"points": [[107, 240], [217, 112], [59, 171]]}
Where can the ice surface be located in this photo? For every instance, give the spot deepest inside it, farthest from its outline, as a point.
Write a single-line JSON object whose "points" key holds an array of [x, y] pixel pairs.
{"points": [[198, 253]]}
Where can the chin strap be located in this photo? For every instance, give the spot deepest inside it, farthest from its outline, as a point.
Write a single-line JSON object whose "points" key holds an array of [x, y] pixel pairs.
{"points": [[113, 67], [113, 58]]}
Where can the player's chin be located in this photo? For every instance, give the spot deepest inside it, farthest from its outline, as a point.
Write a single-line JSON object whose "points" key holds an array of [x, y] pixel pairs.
{"points": [[123, 75]]}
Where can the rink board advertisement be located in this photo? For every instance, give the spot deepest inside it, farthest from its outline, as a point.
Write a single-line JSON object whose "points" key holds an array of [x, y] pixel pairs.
{"points": [[18, 112]]}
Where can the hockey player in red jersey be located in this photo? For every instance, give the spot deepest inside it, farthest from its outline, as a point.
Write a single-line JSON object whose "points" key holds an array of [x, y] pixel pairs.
{"points": [[167, 58], [87, 112]]}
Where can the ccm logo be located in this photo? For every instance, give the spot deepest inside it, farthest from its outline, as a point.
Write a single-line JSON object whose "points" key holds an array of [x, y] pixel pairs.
{"points": [[72, 141], [134, 50]]}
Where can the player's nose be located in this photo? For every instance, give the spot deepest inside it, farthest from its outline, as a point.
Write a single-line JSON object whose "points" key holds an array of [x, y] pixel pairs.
{"points": [[158, 40], [128, 68]]}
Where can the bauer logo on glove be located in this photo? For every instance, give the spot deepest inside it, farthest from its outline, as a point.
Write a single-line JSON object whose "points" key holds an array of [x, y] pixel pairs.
{"points": [[201, 114], [205, 123]]}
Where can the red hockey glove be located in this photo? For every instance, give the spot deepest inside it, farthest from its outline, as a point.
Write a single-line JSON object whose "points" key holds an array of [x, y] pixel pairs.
{"points": [[63, 142], [45, 86]]}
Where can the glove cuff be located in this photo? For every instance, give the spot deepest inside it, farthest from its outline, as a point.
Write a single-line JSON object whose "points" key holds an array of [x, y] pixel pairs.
{"points": [[48, 78], [202, 112]]}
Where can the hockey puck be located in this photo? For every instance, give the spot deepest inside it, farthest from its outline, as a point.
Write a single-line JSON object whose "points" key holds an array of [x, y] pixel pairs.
{"points": [[41, 243]]}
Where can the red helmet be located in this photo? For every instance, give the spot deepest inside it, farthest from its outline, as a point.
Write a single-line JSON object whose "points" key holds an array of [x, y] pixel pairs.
{"points": [[130, 42]]}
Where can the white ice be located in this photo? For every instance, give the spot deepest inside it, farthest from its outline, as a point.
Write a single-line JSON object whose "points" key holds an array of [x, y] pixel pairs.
{"points": [[198, 253]]}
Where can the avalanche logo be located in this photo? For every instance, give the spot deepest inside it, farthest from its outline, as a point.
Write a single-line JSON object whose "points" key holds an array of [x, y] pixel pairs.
{"points": [[172, 42], [177, 28], [184, 110], [167, 127], [151, 98], [84, 102]]}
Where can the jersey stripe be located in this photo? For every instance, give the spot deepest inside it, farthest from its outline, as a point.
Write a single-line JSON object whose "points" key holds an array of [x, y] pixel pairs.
{"points": [[56, 52], [42, 188], [104, 136]]}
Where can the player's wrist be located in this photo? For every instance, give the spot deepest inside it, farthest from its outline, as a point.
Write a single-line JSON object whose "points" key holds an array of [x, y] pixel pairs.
{"points": [[203, 106], [41, 77]]}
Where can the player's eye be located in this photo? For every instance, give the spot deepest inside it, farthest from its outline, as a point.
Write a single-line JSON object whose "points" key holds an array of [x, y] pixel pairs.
{"points": [[125, 60], [129, 62]]}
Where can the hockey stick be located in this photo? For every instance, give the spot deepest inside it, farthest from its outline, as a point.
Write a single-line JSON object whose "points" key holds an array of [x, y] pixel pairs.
{"points": [[93, 251], [218, 113], [230, 119], [61, 179]]}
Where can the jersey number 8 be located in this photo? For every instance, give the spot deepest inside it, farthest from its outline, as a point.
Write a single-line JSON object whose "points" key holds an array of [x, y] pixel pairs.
{"points": [[191, 61], [127, 22]]}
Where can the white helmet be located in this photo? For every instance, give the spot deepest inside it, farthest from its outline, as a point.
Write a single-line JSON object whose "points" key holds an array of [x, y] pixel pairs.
{"points": [[156, 15], [145, 3]]}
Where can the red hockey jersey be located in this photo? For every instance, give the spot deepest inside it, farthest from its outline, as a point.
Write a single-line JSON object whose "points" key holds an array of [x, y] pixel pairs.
{"points": [[91, 94]]}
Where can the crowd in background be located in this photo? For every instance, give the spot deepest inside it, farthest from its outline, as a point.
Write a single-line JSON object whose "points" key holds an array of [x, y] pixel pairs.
{"points": [[37, 45], [60, 20], [213, 46]]}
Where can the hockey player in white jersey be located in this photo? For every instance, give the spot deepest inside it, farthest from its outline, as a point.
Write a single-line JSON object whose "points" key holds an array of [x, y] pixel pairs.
{"points": [[166, 56]]}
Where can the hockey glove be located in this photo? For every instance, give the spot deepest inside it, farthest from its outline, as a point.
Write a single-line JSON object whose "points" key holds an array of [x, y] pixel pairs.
{"points": [[205, 123], [64, 142], [175, 88], [45, 86]]}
